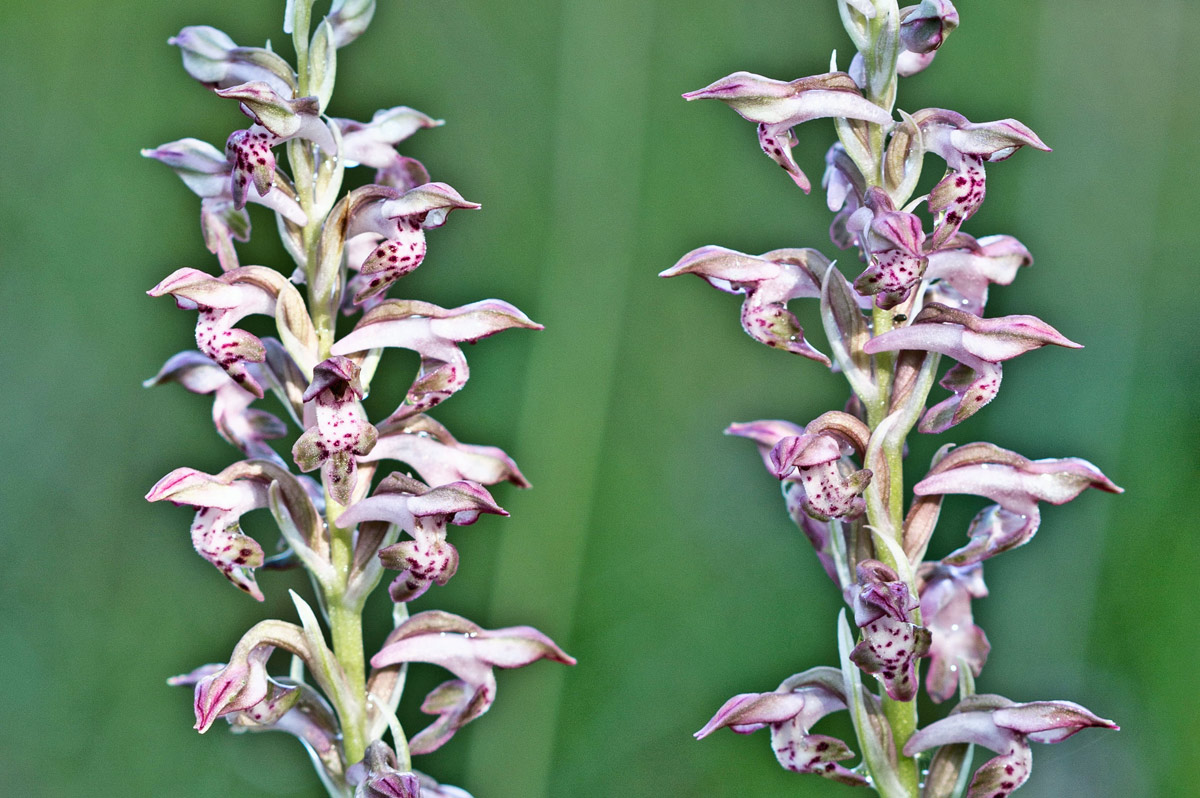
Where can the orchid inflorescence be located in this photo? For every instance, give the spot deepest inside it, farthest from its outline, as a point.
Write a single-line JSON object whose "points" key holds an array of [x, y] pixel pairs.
{"points": [[348, 250], [920, 296]]}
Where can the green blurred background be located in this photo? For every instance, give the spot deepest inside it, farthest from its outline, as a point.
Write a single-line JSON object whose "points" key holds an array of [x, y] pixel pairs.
{"points": [[652, 548]]}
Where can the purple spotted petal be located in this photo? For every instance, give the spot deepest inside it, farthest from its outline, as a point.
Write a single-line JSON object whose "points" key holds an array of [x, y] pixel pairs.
{"points": [[892, 643], [209, 173], [341, 433], [790, 711], [222, 302], [216, 534]]}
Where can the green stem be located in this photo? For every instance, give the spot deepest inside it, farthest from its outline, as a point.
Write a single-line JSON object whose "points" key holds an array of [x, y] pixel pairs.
{"points": [[345, 626]]}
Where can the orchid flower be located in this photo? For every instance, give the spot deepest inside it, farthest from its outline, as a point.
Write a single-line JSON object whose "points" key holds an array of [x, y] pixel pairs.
{"points": [[424, 514], [768, 281], [791, 710], [237, 423], [374, 144], [965, 146], [893, 241], [222, 302], [1016, 484], [435, 334], [395, 223], [1006, 728], [946, 593], [778, 106], [340, 433], [471, 653], [979, 346], [892, 639]]}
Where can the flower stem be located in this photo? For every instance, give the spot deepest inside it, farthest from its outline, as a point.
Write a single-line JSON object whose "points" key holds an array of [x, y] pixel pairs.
{"points": [[345, 626]]}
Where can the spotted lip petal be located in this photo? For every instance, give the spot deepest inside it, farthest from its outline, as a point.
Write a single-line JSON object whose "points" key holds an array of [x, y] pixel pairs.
{"points": [[341, 433], [831, 489], [769, 281], [1016, 484], [1006, 728], [979, 345], [894, 243], [790, 711], [778, 106], [469, 652], [892, 642]]}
